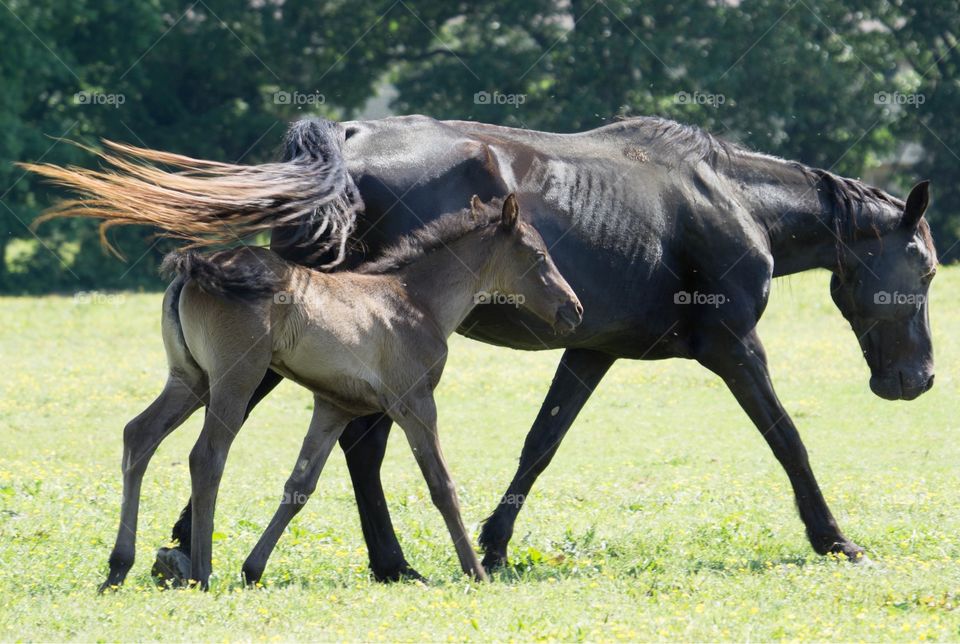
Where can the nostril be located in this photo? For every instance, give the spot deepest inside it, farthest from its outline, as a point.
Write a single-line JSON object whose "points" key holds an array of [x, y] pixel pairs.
{"points": [[579, 308], [929, 383]]}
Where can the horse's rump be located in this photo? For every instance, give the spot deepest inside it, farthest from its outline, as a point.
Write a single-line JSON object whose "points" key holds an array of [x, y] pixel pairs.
{"points": [[234, 274]]}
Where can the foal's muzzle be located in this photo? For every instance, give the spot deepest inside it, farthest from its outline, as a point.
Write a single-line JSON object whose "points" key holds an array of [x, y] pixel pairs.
{"points": [[569, 317]]}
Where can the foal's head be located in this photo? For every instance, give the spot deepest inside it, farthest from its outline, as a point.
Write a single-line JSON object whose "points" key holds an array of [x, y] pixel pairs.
{"points": [[522, 268]]}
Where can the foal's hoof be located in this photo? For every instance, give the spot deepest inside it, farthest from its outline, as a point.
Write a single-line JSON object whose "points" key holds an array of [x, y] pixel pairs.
{"points": [[171, 568]]}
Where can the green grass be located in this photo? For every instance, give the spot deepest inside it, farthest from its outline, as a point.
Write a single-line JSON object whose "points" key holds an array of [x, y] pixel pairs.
{"points": [[664, 516]]}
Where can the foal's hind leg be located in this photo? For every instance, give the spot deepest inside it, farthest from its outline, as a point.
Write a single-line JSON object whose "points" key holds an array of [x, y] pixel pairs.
{"points": [[141, 437], [172, 565], [325, 428], [230, 391]]}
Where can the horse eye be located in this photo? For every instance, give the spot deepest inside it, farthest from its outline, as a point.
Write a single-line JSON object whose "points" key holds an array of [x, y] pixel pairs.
{"points": [[541, 257]]}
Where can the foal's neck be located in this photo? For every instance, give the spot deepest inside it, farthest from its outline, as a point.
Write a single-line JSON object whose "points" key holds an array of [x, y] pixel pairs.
{"points": [[805, 228], [445, 282]]}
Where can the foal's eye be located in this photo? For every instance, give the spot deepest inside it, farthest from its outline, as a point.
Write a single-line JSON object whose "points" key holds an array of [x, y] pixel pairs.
{"points": [[541, 257]]}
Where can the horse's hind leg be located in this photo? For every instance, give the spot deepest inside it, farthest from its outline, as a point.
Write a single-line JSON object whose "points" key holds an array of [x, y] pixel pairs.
{"points": [[325, 428], [172, 565], [141, 437], [364, 444], [579, 373]]}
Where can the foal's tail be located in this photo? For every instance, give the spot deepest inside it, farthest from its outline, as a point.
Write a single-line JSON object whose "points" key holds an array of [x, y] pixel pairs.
{"points": [[309, 195], [233, 274]]}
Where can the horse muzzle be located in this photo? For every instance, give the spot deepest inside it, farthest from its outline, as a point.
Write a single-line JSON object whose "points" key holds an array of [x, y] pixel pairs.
{"points": [[899, 386], [569, 317]]}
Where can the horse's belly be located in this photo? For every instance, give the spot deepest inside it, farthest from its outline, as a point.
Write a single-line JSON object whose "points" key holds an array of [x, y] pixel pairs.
{"points": [[335, 374]]}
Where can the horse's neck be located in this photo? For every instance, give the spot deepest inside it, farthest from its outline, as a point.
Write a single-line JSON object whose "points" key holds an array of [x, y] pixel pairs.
{"points": [[805, 229], [444, 282]]}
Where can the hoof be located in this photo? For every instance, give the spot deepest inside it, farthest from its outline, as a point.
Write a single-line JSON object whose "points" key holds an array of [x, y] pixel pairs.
{"points": [[847, 549], [250, 576], [494, 561], [402, 573], [171, 568]]}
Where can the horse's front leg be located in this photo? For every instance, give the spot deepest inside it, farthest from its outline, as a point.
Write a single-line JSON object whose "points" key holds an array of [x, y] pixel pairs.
{"points": [[364, 443], [742, 364]]}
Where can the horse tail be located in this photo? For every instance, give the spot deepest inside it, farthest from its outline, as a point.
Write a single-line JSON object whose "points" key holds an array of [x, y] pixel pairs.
{"points": [[232, 274], [309, 194]]}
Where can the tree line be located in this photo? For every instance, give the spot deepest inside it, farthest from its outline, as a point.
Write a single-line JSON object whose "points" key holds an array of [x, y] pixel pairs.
{"points": [[868, 89]]}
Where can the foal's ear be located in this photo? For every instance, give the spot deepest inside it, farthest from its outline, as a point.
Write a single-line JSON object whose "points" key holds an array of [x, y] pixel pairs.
{"points": [[917, 203], [476, 206], [511, 212]]}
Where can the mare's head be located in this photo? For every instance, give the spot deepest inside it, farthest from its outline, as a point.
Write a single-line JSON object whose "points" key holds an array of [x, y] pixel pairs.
{"points": [[883, 291], [524, 272]]}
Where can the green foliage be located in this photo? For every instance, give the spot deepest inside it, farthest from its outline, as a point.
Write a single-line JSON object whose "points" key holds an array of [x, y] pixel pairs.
{"points": [[797, 79], [663, 516]]}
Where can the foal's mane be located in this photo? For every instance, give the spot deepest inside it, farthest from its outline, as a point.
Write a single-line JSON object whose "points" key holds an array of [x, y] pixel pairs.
{"points": [[437, 234]]}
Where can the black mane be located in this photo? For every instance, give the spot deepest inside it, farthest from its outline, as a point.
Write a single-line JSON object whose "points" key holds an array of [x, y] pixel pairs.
{"points": [[435, 235], [848, 199]]}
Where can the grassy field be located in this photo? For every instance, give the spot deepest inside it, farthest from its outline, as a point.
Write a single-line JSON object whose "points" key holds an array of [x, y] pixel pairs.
{"points": [[664, 516]]}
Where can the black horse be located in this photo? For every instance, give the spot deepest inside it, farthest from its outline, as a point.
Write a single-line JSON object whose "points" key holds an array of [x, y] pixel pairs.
{"points": [[670, 236]]}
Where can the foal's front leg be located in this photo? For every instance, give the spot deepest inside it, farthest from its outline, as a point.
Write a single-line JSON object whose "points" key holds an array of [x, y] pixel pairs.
{"points": [[417, 415], [325, 428]]}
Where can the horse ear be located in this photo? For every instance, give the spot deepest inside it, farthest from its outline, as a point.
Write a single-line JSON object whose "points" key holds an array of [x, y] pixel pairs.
{"points": [[511, 212], [476, 206], [917, 203]]}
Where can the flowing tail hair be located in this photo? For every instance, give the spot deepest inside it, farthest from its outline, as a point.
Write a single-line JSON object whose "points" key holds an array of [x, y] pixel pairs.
{"points": [[309, 195]]}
